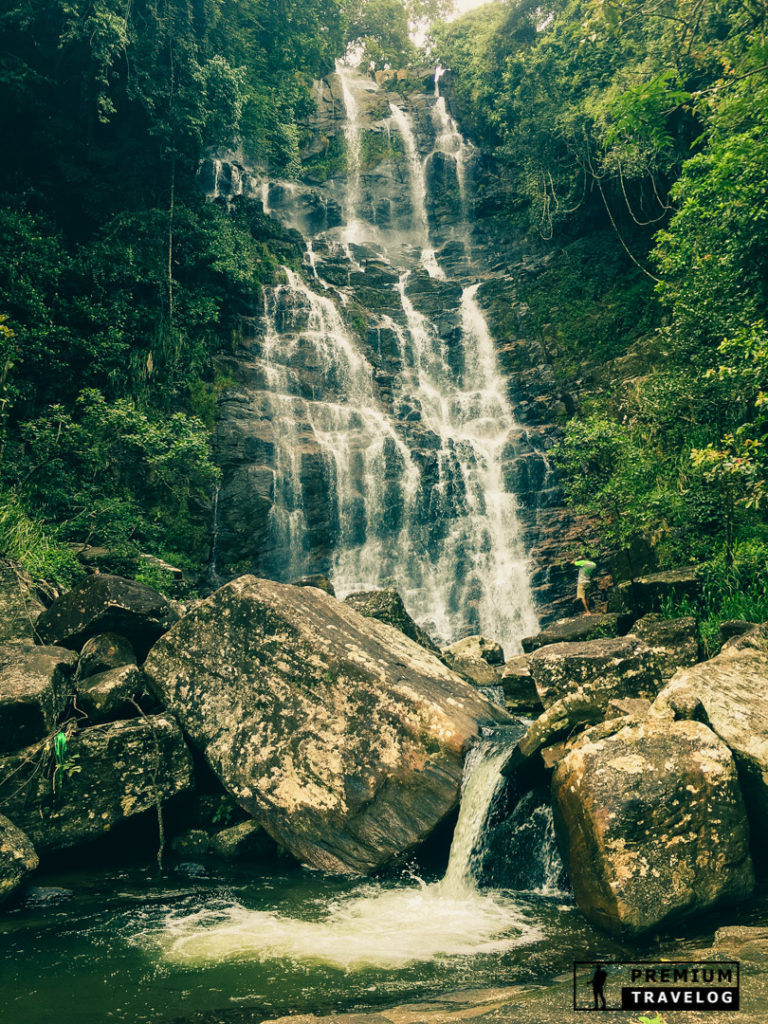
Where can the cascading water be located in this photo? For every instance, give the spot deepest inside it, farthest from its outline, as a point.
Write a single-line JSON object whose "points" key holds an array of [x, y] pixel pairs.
{"points": [[381, 925], [385, 428]]}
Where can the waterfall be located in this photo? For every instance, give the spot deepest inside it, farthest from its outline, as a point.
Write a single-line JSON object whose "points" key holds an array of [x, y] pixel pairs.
{"points": [[482, 781], [372, 399], [379, 924]]}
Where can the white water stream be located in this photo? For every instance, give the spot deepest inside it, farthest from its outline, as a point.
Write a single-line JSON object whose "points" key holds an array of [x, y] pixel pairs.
{"points": [[381, 924]]}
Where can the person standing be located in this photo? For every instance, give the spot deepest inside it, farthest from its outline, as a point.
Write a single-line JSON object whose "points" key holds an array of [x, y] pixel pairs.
{"points": [[586, 568], [598, 985]]}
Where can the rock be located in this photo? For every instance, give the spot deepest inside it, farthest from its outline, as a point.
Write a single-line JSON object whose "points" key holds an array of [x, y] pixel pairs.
{"points": [[35, 683], [17, 858], [734, 627], [558, 720], [477, 648], [728, 692], [316, 580], [110, 775], [337, 733], [173, 572], [600, 669], [103, 652], [742, 942], [194, 843], [108, 695], [673, 642], [477, 659], [584, 627], [19, 605], [107, 604], [246, 841], [520, 693], [387, 606], [654, 823], [649, 593], [628, 707]]}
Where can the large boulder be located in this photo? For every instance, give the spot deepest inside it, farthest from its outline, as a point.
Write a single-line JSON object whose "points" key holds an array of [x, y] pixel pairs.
{"points": [[651, 593], [728, 692], [109, 773], [17, 858], [104, 652], [600, 669], [337, 733], [387, 606], [654, 824], [569, 631], [674, 643], [20, 606], [34, 685], [477, 659], [107, 604]]}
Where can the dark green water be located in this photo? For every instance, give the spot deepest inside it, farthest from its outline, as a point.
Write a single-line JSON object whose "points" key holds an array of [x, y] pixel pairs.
{"points": [[103, 954], [237, 946]]}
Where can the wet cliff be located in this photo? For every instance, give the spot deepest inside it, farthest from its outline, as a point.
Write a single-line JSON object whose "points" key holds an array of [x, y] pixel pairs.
{"points": [[387, 421]]}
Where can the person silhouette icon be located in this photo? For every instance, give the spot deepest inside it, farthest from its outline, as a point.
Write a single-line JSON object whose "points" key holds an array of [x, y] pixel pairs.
{"points": [[598, 986]]}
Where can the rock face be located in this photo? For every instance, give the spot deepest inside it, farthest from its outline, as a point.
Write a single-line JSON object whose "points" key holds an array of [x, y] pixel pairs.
{"points": [[654, 823], [583, 627], [17, 858], [247, 841], [19, 605], [387, 606], [111, 772], [600, 669], [34, 685], [728, 692], [338, 734], [107, 604], [103, 652]]}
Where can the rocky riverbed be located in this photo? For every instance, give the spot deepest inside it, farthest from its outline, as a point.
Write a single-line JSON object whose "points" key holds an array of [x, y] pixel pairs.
{"points": [[272, 726]]}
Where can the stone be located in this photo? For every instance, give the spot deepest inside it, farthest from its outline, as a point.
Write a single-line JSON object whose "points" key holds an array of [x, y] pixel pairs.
{"points": [[734, 627], [728, 692], [520, 694], [194, 843], [337, 733], [743, 942], [17, 858], [583, 627], [387, 606], [107, 604], [628, 707], [477, 659], [109, 695], [558, 720], [477, 648], [600, 669], [112, 773], [35, 683], [103, 652], [654, 825], [674, 643], [649, 593], [247, 841], [19, 605], [315, 580]]}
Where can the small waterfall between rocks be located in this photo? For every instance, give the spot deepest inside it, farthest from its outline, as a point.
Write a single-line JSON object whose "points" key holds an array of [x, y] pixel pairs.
{"points": [[383, 923], [369, 435]]}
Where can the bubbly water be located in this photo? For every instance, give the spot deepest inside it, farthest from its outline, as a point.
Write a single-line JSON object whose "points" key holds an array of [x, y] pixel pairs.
{"points": [[405, 486], [381, 925]]}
